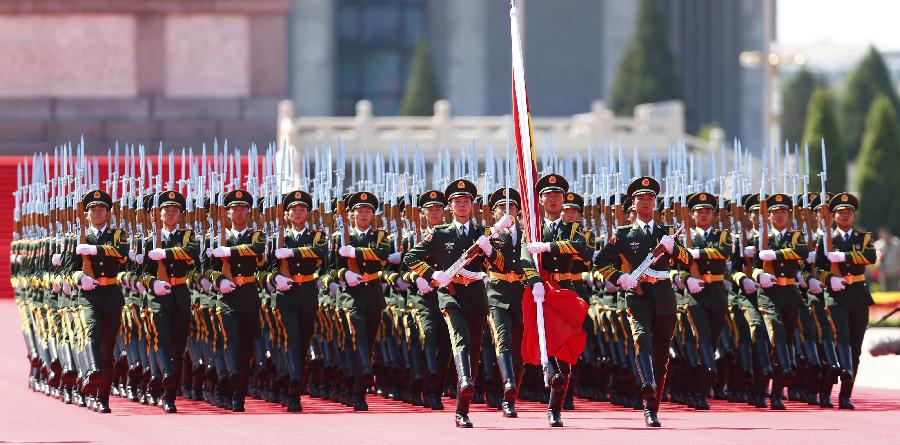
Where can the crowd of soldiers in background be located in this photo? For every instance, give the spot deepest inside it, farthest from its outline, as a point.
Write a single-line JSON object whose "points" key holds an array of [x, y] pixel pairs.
{"points": [[234, 278]]}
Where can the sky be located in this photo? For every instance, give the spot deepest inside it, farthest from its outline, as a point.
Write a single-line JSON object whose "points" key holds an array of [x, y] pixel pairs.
{"points": [[838, 23]]}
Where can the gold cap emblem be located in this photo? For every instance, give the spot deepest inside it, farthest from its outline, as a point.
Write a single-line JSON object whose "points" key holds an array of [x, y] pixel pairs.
{"points": [[238, 194], [97, 194], [570, 197], [645, 182], [703, 196], [433, 195], [364, 197], [778, 198], [171, 195], [296, 195], [552, 180], [460, 185], [845, 198]]}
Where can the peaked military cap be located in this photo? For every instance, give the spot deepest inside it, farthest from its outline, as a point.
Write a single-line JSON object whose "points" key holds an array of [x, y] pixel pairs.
{"points": [[551, 183]]}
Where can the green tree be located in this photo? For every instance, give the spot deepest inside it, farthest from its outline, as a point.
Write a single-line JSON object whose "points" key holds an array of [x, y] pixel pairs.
{"points": [[879, 161], [867, 81], [821, 124], [421, 87], [794, 99], [646, 72]]}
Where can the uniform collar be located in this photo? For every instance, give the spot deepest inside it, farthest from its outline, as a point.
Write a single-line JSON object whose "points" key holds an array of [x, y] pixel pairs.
{"points": [[363, 232], [549, 222], [641, 224], [236, 234], [774, 232], [457, 225], [96, 232], [702, 233], [297, 233], [841, 233], [165, 233]]}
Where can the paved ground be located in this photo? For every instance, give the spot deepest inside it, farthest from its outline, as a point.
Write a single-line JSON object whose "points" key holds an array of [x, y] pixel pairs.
{"points": [[28, 417]]}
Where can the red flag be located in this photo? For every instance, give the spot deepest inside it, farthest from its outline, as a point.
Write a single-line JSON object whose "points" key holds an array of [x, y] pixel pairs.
{"points": [[564, 312]]}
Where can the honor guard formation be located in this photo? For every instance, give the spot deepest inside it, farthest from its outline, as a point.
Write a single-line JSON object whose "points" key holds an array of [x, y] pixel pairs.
{"points": [[278, 276]]}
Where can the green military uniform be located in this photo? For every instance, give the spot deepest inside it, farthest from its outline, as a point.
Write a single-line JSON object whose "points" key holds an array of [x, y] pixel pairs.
{"points": [[780, 303], [705, 311], [363, 303], [296, 307], [170, 309], [102, 304], [434, 334], [238, 309], [849, 305], [504, 292], [463, 301], [651, 303]]}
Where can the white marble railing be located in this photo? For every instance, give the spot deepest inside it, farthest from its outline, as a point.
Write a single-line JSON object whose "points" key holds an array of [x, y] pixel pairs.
{"points": [[654, 127]]}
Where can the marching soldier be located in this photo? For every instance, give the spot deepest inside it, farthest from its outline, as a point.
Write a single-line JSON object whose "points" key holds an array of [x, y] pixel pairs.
{"points": [[296, 272], [358, 264], [705, 293], [504, 292], [433, 331], [775, 268], [462, 298], [649, 296], [96, 265], [564, 243], [842, 270], [166, 268], [234, 275]]}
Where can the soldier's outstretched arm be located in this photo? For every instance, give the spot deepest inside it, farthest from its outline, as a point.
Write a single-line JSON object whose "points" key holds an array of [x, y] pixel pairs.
{"points": [[415, 257]]}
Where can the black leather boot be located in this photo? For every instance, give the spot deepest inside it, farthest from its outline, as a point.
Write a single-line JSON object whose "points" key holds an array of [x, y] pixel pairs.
{"points": [[559, 383], [510, 387], [465, 388], [645, 373]]}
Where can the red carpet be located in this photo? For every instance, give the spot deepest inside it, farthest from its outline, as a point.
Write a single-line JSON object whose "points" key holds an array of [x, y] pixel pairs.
{"points": [[28, 417]]}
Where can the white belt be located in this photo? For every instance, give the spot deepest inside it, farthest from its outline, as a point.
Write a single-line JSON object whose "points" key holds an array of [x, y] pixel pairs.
{"points": [[658, 274]]}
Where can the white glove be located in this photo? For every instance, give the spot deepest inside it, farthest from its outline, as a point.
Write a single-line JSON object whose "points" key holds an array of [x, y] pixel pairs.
{"points": [[394, 258], [837, 284], [767, 255], [347, 252], [668, 242], [836, 257], [208, 252], [20, 259], [469, 275], [627, 282], [56, 260], [537, 292], [269, 287], [157, 254], [86, 249], [694, 285], [227, 286], [536, 248], [205, 284], [66, 288], [161, 288], [485, 244], [319, 284], [800, 280], [87, 283], [441, 277], [139, 287], [139, 258], [749, 285], [352, 278], [12, 258], [333, 288], [56, 288], [609, 286], [282, 283], [131, 255], [222, 252], [678, 282], [402, 286], [766, 280], [811, 257], [749, 251], [504, 223], [695, 253], [423, 286], [283, 253], [815, 286], [727, 284]]}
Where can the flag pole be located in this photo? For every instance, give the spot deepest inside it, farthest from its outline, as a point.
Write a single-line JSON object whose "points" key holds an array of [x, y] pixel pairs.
{"points": [[525, 165]]}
